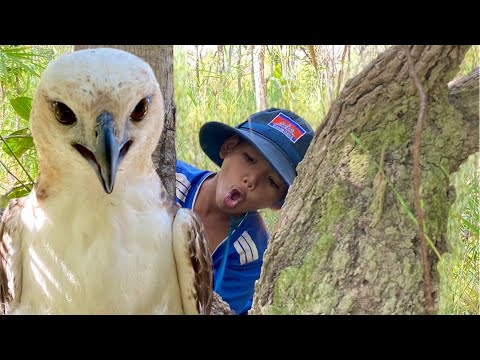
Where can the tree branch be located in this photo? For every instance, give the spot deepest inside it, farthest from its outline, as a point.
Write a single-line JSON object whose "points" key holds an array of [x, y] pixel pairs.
{"points": [[463, 96], [427, 288]]}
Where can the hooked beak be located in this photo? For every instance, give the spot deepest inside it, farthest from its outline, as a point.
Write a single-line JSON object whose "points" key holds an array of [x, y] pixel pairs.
{"points": [[108, 153]]}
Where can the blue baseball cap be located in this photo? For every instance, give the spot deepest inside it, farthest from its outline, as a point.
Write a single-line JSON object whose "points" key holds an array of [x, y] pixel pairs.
{"points": [[280, 135]]}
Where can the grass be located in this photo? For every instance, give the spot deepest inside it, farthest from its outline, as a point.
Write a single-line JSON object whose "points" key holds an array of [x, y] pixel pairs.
{"points": [[461, 269]]}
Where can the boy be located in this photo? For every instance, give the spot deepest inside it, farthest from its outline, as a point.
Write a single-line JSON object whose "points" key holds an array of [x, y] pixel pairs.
{"points": [[257, 160]]}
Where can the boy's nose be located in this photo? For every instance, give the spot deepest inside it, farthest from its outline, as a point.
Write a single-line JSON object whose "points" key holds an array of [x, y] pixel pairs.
{"points": [[249, 182]]}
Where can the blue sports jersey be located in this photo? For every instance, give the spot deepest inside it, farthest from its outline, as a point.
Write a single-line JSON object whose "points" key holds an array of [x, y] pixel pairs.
{"points": [[246, 248]]}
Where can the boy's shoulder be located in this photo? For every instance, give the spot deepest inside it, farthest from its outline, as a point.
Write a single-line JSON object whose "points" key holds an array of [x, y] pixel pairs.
{"points": [[188, 180], [185, 167], [188, 172]]}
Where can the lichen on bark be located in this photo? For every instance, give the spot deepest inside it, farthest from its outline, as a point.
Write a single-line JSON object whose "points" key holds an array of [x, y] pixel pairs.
{"points": [[346, 240]]}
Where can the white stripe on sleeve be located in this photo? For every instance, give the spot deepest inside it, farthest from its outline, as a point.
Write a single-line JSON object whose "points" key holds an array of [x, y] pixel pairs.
{"points": [[246, 248]]}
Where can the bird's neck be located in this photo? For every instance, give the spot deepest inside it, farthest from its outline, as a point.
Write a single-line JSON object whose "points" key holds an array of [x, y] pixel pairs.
{"points": [[84, 186]]}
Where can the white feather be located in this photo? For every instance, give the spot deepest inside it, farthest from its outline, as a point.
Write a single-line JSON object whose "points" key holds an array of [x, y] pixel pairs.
{"points": [[107, 257], [84, 251]]}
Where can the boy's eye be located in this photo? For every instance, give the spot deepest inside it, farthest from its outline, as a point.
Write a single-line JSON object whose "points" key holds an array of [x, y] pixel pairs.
{"points": [[273, 182], [249, 158]]}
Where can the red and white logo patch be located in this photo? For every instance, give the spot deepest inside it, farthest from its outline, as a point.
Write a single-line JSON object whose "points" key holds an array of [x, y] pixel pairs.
{"points": [[287, 127]]}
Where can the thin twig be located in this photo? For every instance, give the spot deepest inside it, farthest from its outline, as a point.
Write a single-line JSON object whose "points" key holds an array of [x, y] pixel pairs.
{"points": [[340, 74], [18, 137], [8, 171], [311, 49], [416, 182], [306, 53], [18, 161], [15, 188]]}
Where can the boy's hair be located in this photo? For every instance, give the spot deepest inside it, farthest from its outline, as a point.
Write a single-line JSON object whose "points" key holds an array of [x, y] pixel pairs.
{"points": [[280, 135]]}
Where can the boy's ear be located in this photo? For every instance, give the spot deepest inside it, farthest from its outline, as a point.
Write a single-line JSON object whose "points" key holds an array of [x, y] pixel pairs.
{"points": [[228, 145]]}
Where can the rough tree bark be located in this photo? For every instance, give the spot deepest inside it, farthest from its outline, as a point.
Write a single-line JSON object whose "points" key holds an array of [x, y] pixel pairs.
{"points": [[345, 244], [463, 96], [160, 58]]}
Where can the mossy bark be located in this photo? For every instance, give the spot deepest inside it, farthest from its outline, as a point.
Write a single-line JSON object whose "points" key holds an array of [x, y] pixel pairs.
{"points": [[345, 242], [160, 58]]}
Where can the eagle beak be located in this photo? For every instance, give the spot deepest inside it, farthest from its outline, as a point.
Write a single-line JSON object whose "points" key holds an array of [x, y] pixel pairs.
{"points": [[107, 152]]}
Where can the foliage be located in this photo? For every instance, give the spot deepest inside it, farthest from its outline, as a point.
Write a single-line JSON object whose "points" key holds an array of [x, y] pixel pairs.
{"points": [[460, 270], [20, 69], [215, 83], [471, 61]]}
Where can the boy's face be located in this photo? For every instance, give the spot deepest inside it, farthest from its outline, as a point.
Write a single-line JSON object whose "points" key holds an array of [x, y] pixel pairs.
{"points": [[246, 182]]}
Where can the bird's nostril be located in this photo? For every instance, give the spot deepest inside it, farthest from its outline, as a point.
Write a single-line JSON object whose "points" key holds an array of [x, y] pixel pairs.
{"points": [[96, 133]]}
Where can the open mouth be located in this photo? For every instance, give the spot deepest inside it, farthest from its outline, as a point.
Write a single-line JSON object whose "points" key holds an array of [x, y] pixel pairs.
{"points": [[233, 198]]}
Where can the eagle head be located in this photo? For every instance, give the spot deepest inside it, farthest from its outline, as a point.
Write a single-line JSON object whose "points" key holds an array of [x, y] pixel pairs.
{"points": [[96, 111]]}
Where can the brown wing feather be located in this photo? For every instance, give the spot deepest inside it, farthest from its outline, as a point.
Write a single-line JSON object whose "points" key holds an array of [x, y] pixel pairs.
{"points": [[10, 257], [194, 262], [202, 265]]}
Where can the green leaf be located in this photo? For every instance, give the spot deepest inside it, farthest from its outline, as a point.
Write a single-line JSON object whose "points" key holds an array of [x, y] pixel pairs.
{"points": [[22, 106], [470, 226], [18, 142], [277, 72], [16, 192]]}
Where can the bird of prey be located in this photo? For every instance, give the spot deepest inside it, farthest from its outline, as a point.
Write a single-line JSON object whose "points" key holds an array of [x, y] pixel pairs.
{"points": [[99, 234]]}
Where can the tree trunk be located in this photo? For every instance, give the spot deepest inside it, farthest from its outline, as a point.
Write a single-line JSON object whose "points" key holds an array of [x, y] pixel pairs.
{"points": [[197, 64], [258, 55], [221, 59], [239, 70], [160, 58], [463, 96], [345, 244]]}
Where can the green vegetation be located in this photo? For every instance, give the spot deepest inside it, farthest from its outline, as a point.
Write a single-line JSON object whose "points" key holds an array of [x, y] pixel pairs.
{"points": [[20, 70], [216, 83], [461, 267]]}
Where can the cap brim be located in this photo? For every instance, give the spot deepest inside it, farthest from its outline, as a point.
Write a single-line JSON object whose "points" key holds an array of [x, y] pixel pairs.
{"points": [[213, 134]]}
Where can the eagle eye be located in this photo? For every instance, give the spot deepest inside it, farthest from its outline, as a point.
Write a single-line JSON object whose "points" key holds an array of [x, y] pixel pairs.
{"points": [[140, 110], [63, 113]]}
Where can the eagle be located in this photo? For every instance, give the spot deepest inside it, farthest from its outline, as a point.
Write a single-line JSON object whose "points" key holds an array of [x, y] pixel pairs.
{"points": [[99, 234]]}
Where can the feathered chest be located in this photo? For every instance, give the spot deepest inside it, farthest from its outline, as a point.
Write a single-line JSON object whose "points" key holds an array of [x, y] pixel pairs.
{"points": [[107, 256]]}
